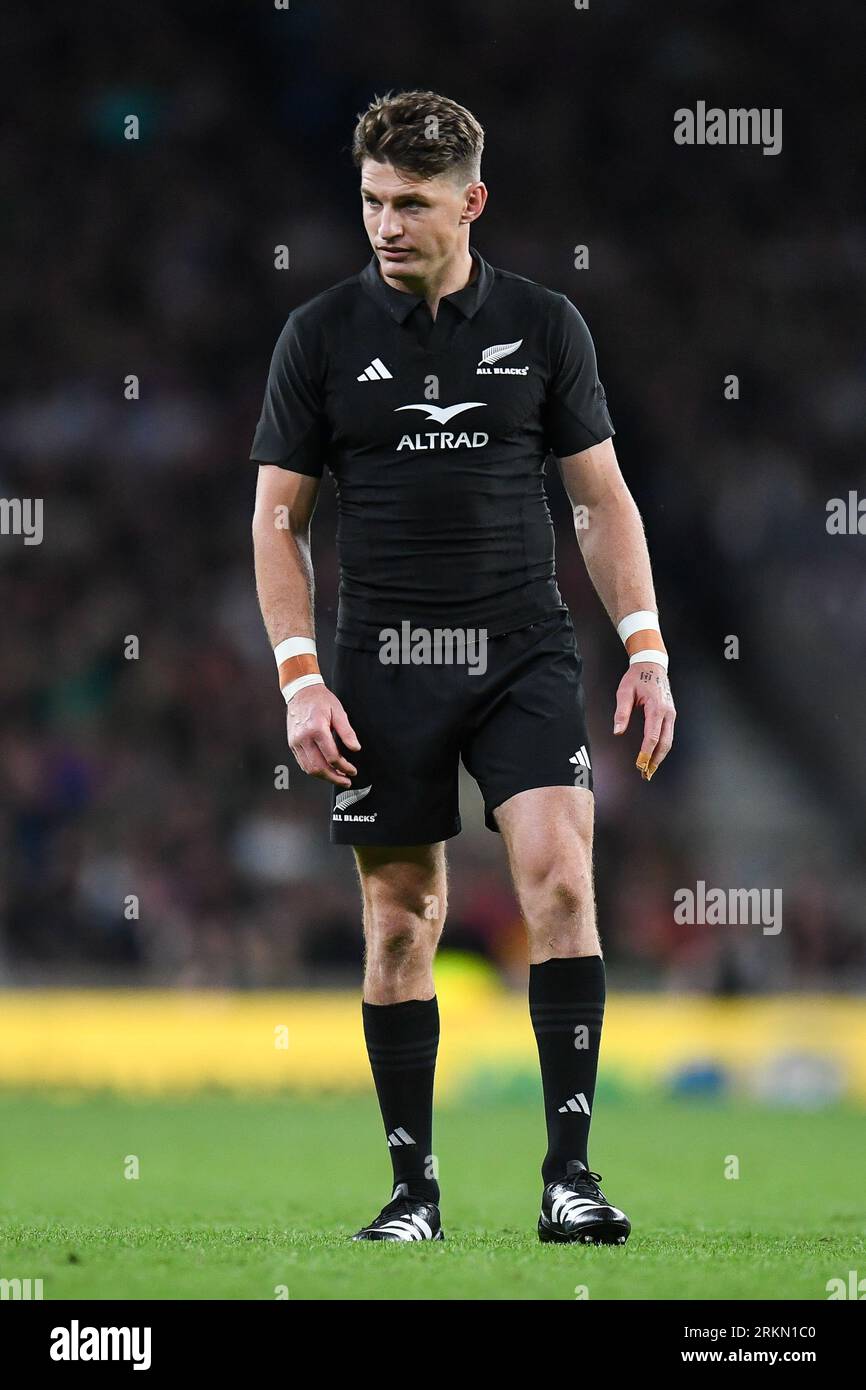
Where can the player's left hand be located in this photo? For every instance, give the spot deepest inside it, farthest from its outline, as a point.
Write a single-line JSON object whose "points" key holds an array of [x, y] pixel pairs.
{"points": [[646, 684]]}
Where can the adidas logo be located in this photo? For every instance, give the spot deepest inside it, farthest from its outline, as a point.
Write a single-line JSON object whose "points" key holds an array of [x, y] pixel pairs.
{"points": [[344, 799], [568, 1206], [399, 1138], [377, 371], [576, 1103], [581, 758], [410, 1227]]}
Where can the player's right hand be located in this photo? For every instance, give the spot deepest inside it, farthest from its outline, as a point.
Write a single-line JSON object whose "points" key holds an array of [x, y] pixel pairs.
{"points": [[313, 718]]}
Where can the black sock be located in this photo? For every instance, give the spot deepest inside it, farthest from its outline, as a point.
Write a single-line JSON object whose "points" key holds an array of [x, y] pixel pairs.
{"points": [[566, 1004], [402, 1041]]}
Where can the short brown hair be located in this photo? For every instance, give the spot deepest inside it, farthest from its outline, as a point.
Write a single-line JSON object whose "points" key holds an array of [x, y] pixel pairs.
{"points": [[420, 133]]}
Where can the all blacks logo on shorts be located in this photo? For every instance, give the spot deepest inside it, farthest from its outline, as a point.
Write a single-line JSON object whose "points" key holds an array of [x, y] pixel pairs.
{"points": [[343, 800]]}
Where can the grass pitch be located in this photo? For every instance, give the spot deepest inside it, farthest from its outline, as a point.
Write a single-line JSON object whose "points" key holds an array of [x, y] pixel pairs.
{"points": [[238, 1198]]}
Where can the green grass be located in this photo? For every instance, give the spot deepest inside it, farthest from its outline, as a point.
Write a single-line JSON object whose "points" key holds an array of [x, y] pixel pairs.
{"points": [[237, 1197]]}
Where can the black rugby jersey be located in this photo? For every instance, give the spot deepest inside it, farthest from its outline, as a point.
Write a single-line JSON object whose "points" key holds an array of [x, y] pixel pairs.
{"points": [[436, 433]]}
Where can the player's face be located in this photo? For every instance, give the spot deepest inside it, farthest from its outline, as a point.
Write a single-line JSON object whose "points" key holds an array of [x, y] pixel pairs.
{"points": [[414, 224]]}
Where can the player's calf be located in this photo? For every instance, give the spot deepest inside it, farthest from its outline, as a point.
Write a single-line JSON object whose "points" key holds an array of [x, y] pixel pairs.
{"points": [[401, 1020]]}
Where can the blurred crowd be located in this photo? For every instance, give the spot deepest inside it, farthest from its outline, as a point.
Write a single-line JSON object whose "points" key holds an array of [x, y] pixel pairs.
{"points": [[145, 833]]}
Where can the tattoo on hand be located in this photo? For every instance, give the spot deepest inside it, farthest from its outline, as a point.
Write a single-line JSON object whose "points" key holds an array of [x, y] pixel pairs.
{"points": [[660, 680]]}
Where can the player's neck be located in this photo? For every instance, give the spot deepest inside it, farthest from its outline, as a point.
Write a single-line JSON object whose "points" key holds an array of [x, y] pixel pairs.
{"points": [[454, 276]]}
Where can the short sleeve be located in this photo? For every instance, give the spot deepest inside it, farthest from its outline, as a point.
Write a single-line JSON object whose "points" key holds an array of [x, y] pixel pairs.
{"points": [[292, 430], [576, 415]]}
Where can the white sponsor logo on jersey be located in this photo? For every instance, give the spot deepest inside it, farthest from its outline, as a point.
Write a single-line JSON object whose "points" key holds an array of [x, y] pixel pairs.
{"points": [[446, 439], [443, 413], [493, 354], [377, 371]]}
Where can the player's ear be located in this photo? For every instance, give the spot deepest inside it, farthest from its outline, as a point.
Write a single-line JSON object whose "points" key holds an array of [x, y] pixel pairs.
{"points": [[476, 197]]}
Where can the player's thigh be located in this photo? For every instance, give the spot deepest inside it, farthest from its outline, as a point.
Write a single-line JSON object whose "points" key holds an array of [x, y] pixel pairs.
{"points": [[548, 837], [402, 881], [548, 833]]}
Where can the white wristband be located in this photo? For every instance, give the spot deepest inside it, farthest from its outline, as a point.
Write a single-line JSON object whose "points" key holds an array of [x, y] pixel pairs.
{"points": [[294, 646], [301, 684], [636, 622], [287, 649], [660, 658]]}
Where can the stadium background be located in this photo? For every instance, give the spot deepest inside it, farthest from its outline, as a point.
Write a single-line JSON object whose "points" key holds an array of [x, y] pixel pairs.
{"points": [[155, 776]]}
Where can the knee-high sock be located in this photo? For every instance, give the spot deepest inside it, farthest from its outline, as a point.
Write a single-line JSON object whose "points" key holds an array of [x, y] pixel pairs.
{"points": [[402, 1042], [566, 1004]]}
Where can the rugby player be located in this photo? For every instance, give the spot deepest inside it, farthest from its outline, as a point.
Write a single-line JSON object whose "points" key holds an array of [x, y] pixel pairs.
{"points": [[434, 387]]}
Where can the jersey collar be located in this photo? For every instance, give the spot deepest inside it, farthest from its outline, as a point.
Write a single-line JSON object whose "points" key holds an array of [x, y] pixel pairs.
{"points": [[399, 304]]}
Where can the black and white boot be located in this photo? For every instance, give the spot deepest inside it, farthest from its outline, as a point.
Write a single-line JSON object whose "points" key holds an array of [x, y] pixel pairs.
{"points": [[576, 1209], [404, 1218]]}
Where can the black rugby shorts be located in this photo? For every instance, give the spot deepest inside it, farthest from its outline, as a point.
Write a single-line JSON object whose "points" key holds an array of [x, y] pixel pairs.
{"points": [[520, 724]]}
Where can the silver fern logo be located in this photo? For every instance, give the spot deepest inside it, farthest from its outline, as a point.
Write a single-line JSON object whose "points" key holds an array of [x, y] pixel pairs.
{"points": [[497, 350], [349, 798]]}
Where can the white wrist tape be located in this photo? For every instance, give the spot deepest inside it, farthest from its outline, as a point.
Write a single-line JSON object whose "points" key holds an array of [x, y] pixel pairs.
{"points": [[636, 622], [294, 646], [660, 658], [300, 684], [297, 665]]}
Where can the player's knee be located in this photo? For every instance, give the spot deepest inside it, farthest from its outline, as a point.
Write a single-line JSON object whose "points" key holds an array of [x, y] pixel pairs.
{"points": [[403, 944], [398, 941], [556, 890], [558, 897], [403, 920], [560, 921]]}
